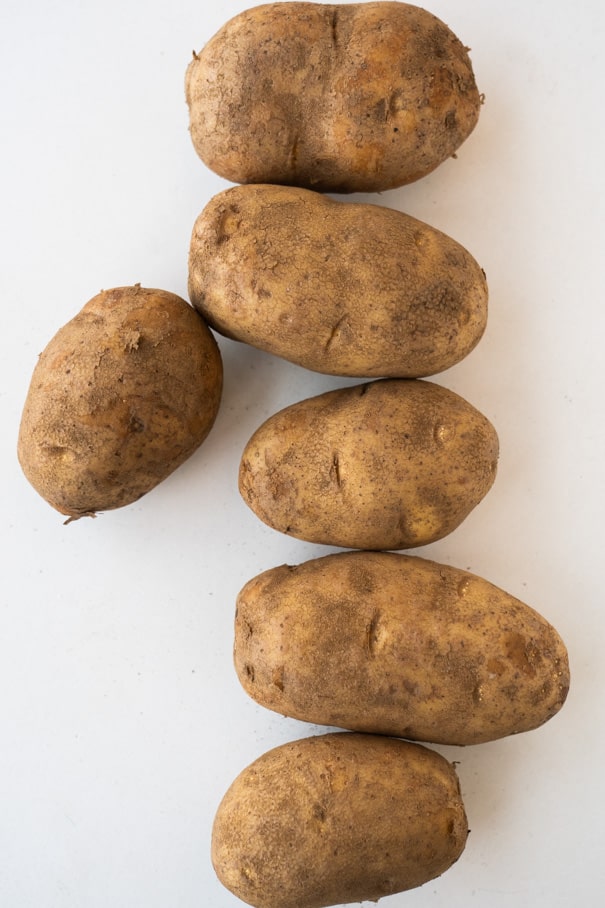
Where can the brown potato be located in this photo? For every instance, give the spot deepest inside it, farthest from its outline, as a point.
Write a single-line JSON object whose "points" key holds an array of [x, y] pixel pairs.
{"points": [[341, 288], [338, 818], [121, 396], [356, 97], [390, 644], [390, 464]]}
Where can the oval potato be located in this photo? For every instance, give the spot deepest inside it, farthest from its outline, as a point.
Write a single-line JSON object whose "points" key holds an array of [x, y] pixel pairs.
{"points": [[391, 644], [121, 396], [338, 818], [340, 288], [356, 97], [390, 464]]}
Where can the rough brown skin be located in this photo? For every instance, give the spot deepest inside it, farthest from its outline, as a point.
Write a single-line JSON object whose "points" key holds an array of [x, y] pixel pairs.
{"points": [[389, 464], [341, 288], [341, 98], [121, 396], [338, 818], [391, 644]]}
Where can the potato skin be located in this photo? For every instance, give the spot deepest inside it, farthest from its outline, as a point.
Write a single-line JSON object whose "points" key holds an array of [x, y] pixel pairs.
{"points": [[121, 396], [397, 645], [357, 97], [341, 288], [389, 464], [338, 818]]}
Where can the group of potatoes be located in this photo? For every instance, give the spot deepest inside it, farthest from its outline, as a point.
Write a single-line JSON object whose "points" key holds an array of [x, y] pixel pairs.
{"points": [[290, 100]]}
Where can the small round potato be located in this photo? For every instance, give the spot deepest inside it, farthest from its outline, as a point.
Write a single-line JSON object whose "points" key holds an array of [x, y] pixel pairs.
{"points": [[121, 396], [357, 97], [391, 644], [390, 464], [341, 288], [338, 818]]}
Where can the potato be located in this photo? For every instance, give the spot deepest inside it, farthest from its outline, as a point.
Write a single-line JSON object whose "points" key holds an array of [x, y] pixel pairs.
{"points": [[341, 288], [397, 645], [121, 396], [356, 97], [389, 464], [338, 818]]}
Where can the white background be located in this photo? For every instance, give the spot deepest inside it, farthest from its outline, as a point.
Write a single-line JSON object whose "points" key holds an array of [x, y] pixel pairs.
{"points": [[121, 720]]}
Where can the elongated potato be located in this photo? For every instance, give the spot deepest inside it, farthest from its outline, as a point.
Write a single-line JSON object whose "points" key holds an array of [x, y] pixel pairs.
{"points": [[340, 288], [338, 818], [390, 464], [390, 644], [355, 97], [121, 396]]}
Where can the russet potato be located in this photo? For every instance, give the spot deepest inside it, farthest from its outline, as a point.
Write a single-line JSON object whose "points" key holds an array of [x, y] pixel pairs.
{"points": [[390, 464], [338, 818], [357, 97], [122, 395], [342, 288], [392, 644]]}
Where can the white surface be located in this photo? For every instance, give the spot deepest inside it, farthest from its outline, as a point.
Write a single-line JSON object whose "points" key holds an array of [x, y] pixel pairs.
{"points": [[121, 719]]}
